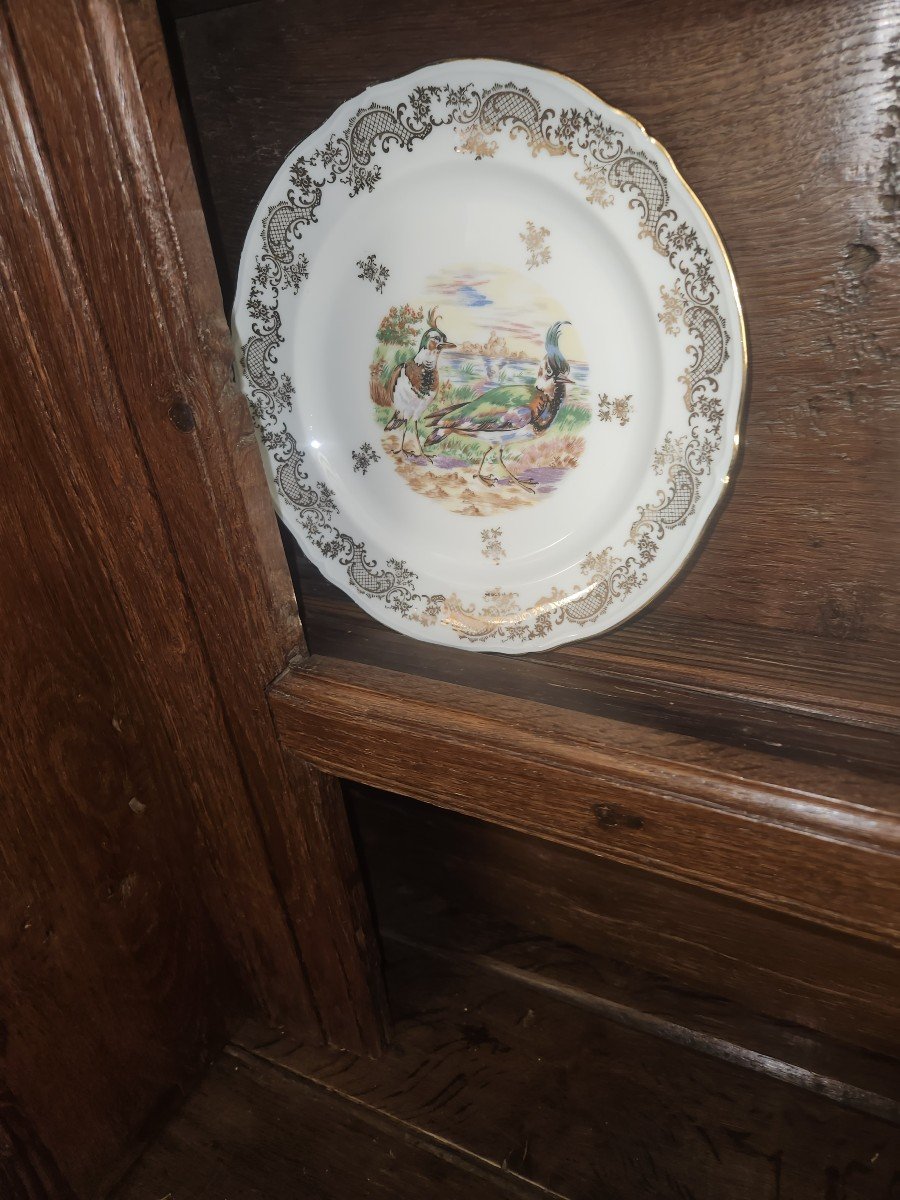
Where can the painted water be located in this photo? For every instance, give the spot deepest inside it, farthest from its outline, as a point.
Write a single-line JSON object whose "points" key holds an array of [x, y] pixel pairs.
{"points": [[481, 372]]}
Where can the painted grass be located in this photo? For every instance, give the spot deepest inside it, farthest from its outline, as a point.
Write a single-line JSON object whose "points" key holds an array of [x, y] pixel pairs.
{"points": [[470, 369]]}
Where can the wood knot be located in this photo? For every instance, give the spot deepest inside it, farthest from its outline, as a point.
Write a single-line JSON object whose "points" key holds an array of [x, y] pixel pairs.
{"points": [[182, 416], [859, 258], [613, 816]]}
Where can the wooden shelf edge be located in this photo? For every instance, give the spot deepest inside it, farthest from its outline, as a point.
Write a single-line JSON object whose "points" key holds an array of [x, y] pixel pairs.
{"points": [[840, 701], [813, 841], [822, 688]]}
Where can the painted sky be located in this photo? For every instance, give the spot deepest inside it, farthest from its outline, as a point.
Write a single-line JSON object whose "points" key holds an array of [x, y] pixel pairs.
{"points": [[474, 304]]}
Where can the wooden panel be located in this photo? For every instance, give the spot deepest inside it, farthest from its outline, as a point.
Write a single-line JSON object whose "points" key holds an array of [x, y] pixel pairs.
{"points": [[805, 839], [588, 1101], [732, 969], [105, 876], [149, 891], [252, 1131], [785, 627], [246, 617]]}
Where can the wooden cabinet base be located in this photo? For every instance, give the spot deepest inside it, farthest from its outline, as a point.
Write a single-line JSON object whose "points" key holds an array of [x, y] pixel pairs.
{"points": [[495, 1087]]}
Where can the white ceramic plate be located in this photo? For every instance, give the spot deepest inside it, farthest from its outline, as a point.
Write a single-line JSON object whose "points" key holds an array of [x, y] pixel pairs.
{"points": [[495, 353]]}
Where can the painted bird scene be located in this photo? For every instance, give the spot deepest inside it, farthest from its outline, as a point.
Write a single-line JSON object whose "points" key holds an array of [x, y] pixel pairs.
{"points": [[481, 395]]}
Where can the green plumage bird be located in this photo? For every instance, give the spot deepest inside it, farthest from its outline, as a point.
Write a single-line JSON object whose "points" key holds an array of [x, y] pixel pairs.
{"points": [[511, 414]]}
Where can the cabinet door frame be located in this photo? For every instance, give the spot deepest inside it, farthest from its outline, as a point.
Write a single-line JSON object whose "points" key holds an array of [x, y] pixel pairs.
{"points": [[139, 537]]}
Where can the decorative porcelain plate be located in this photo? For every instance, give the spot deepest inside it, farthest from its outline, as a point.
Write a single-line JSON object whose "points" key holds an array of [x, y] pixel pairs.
{"points": [[495, 354]]}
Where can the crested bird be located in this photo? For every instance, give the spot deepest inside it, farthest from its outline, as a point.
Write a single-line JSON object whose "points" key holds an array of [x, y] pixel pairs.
{"points": [[414, 383], [510, 414]]}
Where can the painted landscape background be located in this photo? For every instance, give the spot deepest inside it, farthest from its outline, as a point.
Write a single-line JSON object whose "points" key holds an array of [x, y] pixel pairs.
{"points": [[495, 347]]}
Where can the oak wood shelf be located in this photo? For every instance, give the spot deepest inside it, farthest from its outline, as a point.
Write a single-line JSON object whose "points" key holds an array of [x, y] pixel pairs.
{"points": [[835, 704], [254, 1130], [790, 613], [818, 841], [749, 974]]}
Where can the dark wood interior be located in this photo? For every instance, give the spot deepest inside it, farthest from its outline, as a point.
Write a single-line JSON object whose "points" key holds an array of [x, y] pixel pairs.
{"points": [[552, 1034], [637, 897], [733, 963]]}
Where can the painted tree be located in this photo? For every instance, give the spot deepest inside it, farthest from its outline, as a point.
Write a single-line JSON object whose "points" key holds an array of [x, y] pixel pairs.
{"points": [[398, 328]]}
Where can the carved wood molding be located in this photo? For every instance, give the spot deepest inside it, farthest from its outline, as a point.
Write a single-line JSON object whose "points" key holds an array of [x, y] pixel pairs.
{"points": [[840, 704], [810, 840], [116, 204]]}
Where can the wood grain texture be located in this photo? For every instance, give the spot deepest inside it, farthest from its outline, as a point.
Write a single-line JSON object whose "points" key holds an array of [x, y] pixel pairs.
{"points": [[780, 986], [812, 841], [207, 344], [832, 706], [27, 1169], [588, 1103], [252, 1131], [783, 117], [247, 622], [143, 906], [106, 876]]}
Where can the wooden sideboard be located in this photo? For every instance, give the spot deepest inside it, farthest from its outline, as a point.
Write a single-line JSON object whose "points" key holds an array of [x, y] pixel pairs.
{"points": [[688, 829]]}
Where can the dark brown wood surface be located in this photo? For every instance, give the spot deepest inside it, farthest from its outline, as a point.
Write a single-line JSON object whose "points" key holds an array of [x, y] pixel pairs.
{"points": [[246, 615], [249, 617], [106, 880], [435, 875], [523, 1062], [28, 1171], [587, 1099], [783, 118], [252, 1131], [156, 851], [836, 706], [806, 839]]}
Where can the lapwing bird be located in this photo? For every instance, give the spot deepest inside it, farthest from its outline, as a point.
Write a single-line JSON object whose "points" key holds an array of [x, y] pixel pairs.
{"points": [[510, 415], [414, 384]]}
